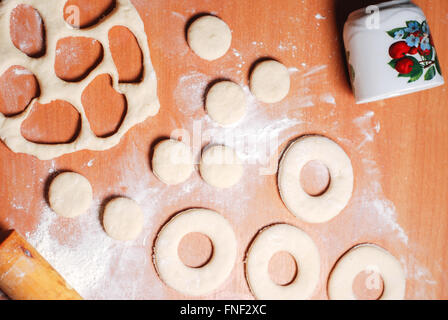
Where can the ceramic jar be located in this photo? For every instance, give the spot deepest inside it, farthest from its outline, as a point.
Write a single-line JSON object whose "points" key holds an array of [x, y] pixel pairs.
{"points": [[390, 51]]}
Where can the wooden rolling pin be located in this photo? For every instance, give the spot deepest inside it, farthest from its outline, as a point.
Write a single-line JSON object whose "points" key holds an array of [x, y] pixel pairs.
{"points": [[26, 275]]}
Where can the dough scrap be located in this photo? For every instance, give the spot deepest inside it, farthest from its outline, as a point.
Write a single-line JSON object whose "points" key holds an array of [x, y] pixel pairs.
{"points": [[270, 81], [226, 103], [70, 195], [172, 162], [123, 219], [328, 205], [195, 281], [141, 97], [209, 37], [220, 167], [283, 237], [367, 257]]}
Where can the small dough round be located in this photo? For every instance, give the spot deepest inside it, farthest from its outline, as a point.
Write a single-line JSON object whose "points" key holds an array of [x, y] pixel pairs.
{"points": [[209, 37], [283, 237], [226, 103], [123, 219], [328, 205], [70, 194], [172, 162], [270, 82], [220, 167], [367, 257], [195, 281]]}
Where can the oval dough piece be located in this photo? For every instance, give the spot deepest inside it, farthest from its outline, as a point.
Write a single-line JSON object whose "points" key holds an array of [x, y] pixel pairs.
{"points": [[283, 237], [123, 219], [226, 103], [70, 194], [220, 167], [172, 162], [195, 281], [328, 205], [270, 82], [209, 37], [367, 257]]}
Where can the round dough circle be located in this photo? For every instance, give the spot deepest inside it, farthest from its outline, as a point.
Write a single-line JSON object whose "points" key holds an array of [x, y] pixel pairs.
{"points": [[283, 237], [220, 167], [226, 103], [123, 219], [270, 82], [70, 194], [325, 207], [172, 162], [209, 37], [367, 257], [195, 281]]}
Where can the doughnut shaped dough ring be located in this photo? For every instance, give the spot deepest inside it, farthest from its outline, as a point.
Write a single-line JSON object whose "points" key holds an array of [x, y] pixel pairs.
{"points": [[364, 258], [283, 237], [327, 206], [195, 281]]}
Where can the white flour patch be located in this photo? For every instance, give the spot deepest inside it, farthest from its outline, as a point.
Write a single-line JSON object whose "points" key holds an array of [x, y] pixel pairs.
{"points": [[190, 91], [21, 72], [320, 17], [315, 70], [178, 15], [368, 127], [328, 98], [293, 70]]}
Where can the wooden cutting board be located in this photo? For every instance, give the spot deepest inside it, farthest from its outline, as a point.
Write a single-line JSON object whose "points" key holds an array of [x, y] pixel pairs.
{"points": [[398, 147]]}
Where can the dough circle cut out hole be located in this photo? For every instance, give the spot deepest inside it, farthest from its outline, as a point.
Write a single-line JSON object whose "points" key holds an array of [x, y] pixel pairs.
{"points": [[123, 219], [226, 103], [195, 250], [367, 258], [315, 178], [70, 194], [221, 167], [270, 81], [283, 268], [337, 195], [209, 37], [195, 281], [172, 162], [368, 285], [282, 237]]}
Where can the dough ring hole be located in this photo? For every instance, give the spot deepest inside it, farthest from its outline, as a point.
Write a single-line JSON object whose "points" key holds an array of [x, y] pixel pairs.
{"points": [[315, 178], [195, 250], [55, 123], [283, 268], [368, 285], [27, 31], [87, 13]]}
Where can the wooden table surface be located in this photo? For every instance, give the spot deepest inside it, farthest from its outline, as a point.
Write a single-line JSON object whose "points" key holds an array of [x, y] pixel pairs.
{"points": [[398, 147]]}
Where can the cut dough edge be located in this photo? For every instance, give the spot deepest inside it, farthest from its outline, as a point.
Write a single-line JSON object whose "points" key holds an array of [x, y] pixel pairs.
{"points": [[367, 257], [195, 281], [142, 97], [339, 191]]}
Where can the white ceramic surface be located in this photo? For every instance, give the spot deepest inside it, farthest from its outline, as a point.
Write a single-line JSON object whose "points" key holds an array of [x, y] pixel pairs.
{"points": [[390, 51]]}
